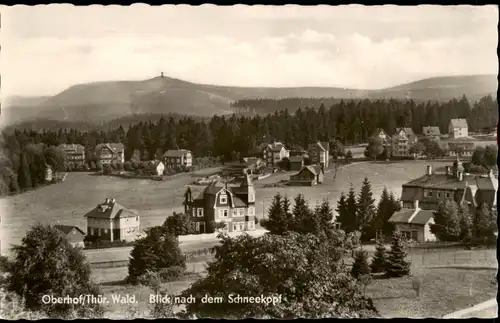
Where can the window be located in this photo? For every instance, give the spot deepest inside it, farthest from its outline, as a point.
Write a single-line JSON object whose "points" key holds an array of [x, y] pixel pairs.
{"points": [[428, 193], [91, 231], [251, 210], [438, 194], [105, 231], [235, 227], [447, 194], [137, 218], [200, 212], [235, 212], [223, 213], [197, 226], [241, 212], [223, 199]]}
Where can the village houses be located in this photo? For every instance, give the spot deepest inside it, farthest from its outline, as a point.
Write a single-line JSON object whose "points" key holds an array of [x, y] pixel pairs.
{"points": [[155, 168], [110, 221], [382, 135], [296, 163], [74, 154], [73, 233], [308, 176], [460, 148], [110, 153], [215, 203], [319, 153], [458, 128], [178, 158], [274, 153], [421, 197], [402, 140]]}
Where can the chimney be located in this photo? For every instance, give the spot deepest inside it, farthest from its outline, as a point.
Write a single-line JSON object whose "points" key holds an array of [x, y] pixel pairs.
{"points": [[460, 176], [113, 201], [429, 170], [107, 200], [415, 203]]}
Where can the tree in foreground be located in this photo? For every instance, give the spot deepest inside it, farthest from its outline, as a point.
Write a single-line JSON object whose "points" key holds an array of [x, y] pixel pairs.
{"points": [[379, 261], [397, 264], [46, 264], [365, 212], [360, 266], [446, 225], [276, 222], [156, 251], [179, 224], [303, 269], [485, 225]]}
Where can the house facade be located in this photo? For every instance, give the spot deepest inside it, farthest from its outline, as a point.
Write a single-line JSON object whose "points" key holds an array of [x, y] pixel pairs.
{"points": [[110, 153], [234, 207], [110, 221], [380, 133], [74, 234], [402, 141], [178, 158], [74, 154], [454, 183], [431, 131], [458, 128], [156, 168], [308, 176], [460, 148], [414, 223], [319, 153], [275, 153]]}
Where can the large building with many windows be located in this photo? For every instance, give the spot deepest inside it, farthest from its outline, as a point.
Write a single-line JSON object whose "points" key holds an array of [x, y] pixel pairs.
{"points": [[74, 154], [234, 207]]}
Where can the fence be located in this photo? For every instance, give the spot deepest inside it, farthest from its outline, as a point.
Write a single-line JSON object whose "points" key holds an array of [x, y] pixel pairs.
{"points": [[190, 256]]}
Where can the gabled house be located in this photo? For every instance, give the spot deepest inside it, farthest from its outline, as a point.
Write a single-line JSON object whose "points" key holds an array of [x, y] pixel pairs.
{"points": [[110, 221], [414, 223], [274, 153], [458, 128], [215, 203], [431, 132], [253, 163], [177, 158], [74, 154], [454, 183], [110, 153], [308, 176], [73, 233], [460, 148], [319, 153], [296, 163], [402, 140]]}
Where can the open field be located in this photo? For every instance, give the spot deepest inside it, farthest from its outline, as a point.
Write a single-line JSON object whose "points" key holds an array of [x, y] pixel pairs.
{"points": [[67, 202], [443, 290]]}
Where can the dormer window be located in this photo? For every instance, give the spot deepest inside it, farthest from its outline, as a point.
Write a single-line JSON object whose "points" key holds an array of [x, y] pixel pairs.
{"points": [[223, 199]]}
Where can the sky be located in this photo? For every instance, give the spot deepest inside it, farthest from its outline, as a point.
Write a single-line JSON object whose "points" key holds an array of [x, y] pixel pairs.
{"points": [[46, 49]]}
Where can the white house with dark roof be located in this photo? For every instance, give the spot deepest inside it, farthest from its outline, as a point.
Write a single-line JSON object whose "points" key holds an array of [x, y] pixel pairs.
{"points": [[110, 153], [177, 158], [233, 206], [414, 223], [274, 153], [110, 221], [319, 153], [458, 128], [73, 153]]}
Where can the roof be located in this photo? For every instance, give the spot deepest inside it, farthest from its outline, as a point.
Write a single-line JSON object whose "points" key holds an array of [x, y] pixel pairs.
{"points": [[110, 210], [465, 144], [296, 159], [155, 163], [323, 145], [431, 131], [66, 229], [251, 160], [72, 147], [176, 152], [459, 123], [407, 130], [115, 147], [313, 169], [275, 146], [413, 216], [196, 192]]}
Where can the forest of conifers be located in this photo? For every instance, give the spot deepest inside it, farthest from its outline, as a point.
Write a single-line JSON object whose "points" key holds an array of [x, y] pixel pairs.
{"points": [[351, 122]]}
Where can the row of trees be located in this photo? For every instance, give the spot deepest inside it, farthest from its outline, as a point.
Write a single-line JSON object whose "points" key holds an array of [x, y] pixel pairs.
{"points": [[359, 213], [466, 223]]}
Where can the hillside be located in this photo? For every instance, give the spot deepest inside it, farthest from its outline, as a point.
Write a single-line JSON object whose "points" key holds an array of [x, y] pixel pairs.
{"points": [[102, 101]]}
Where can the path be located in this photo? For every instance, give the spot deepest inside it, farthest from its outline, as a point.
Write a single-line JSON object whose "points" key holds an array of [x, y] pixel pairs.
{"points": [[488, 309]]}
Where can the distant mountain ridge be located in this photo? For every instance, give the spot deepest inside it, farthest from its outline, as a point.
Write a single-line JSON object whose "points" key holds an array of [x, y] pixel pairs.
{"points": [[103, 101]]}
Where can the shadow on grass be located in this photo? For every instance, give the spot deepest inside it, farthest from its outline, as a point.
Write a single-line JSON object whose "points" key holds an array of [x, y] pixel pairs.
{"points": [[114, 283]]}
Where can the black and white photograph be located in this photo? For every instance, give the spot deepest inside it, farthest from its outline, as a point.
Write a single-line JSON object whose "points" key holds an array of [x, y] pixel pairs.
{"points": [[233, 162]]}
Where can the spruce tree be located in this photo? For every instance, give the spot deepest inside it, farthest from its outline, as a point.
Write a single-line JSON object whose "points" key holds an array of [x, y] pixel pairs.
{"points": [[446, 225], [379, 261], [304, 221], [365, 211], [288, 214], [397, 264], [23, 174], [351, 211], [342, 212], [276, 222], [360, 266]]}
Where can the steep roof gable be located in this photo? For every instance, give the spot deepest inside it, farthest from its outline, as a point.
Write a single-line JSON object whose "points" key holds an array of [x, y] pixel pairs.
{"points": [[459, 123]]}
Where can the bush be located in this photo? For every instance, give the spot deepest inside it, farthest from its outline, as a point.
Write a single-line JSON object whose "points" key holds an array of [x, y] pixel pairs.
{"points": [[379, 262], [397, 265], [171, 273], [150, 279]]}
